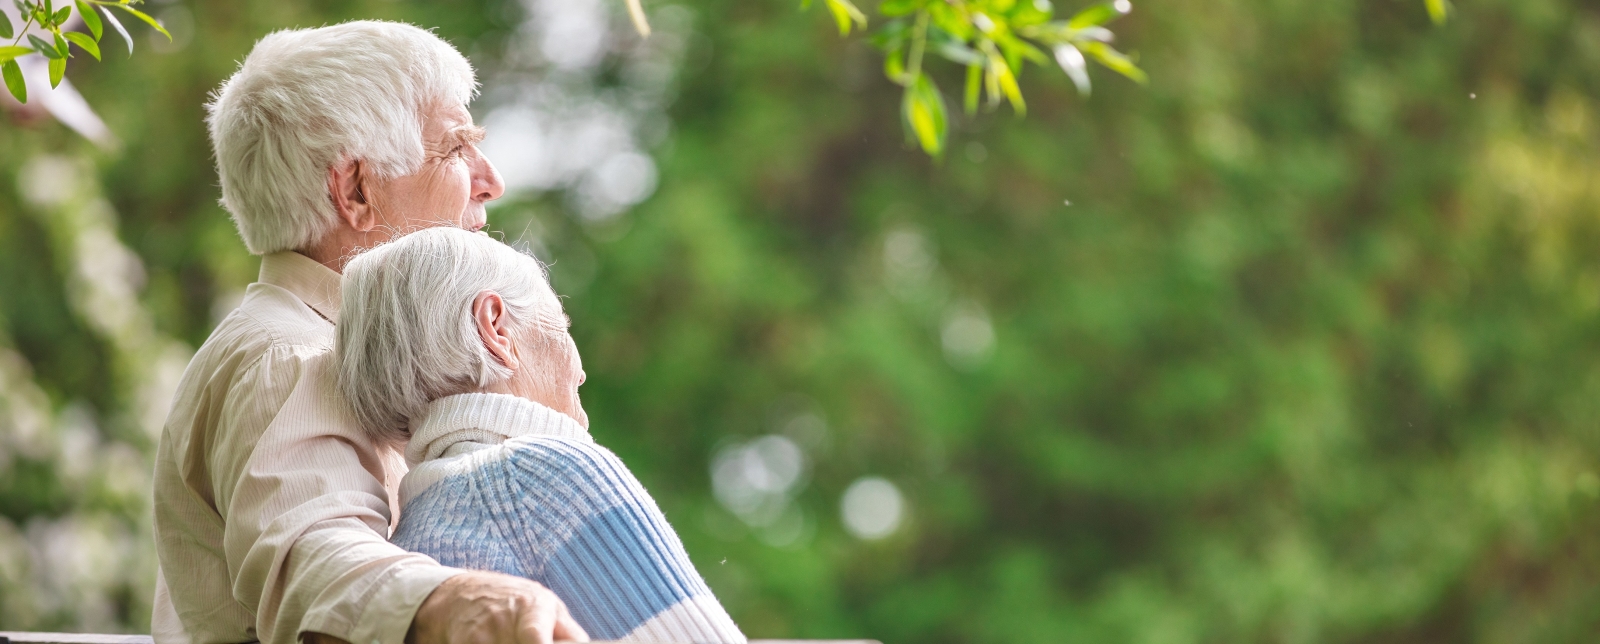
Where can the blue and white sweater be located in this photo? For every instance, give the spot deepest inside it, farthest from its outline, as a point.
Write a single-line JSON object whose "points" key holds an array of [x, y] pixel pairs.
{"points": [[505, 484]]}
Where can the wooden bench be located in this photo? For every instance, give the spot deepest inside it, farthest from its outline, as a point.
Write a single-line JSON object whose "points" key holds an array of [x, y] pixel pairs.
{"points": [[17, 637]]}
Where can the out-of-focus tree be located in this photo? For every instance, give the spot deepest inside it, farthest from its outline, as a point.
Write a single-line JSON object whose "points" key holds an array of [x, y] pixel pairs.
{"points": [[1294, 344]]}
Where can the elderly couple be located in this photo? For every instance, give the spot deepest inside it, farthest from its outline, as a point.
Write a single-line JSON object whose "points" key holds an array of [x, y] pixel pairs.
{"points": [[384, 442]]}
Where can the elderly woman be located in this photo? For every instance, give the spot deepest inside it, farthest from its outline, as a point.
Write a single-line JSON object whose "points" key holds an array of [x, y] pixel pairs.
{"points": [[455, 344]]}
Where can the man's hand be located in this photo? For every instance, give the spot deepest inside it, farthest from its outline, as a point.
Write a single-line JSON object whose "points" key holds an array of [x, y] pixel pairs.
{"points": [[491, 608]]}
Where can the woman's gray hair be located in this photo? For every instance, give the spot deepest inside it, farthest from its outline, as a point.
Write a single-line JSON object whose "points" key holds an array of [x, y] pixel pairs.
{"points": [[407, 335], [304, 99]]}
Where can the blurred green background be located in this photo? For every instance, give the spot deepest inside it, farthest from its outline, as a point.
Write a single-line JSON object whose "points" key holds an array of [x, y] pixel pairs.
{"points": [[1297, 344]]}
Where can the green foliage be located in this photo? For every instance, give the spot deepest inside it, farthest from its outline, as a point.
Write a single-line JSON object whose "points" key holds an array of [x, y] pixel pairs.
{"points": [[992, 39], [42, 13]]}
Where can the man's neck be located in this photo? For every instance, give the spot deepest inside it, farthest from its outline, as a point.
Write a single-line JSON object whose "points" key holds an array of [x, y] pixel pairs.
{"points": [[339, 246]]}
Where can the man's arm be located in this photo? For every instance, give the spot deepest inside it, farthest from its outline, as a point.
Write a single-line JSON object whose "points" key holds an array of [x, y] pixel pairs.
{"points": [[306, 514], [306, 538]]}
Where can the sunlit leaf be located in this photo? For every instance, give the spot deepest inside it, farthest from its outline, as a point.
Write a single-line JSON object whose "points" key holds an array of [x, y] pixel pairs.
{"points": [[1100, 14], [60, 17], [943, 17], [6, 29], [11, 51], [925, 114], [846, 14], [85, 42], [1013, 92], [958, 53], [58, 70], [894, 66], [90, 20], [44, 47], [147, 19], [892, 8], [1017, 49], [1100, 34], [1001, 80], [1029, 12], [1438, 11], [14, 82], [117, 24], [1115, 61], [1072, 62]]}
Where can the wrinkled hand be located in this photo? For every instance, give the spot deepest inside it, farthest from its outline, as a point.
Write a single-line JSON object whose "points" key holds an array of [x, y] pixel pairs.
{"points": [[491, 608]]}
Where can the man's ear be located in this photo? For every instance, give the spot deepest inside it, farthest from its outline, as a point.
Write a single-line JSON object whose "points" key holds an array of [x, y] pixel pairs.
{"points": [[347, 187], [490, 317]]}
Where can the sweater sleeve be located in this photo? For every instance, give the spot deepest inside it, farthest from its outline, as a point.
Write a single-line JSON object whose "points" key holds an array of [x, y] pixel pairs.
{"points": [[585, 527]]}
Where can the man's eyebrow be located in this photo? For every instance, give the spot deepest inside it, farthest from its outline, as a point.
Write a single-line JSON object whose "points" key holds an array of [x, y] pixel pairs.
{"points": [[467, 134]]}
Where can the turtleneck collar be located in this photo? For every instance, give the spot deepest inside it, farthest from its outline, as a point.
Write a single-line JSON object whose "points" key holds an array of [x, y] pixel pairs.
{"points": [[487, 419]]}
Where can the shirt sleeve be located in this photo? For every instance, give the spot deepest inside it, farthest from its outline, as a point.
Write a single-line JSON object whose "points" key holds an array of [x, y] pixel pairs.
{"points": [[307, 515]]}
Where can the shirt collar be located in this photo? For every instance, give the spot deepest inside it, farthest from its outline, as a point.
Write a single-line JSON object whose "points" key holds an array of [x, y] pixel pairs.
{"points": [[306, 278], [484, 418]]}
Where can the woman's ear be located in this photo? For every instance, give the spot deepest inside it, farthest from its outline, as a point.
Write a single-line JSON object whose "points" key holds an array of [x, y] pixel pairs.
{"points": [[490, 316], [347, 187]]}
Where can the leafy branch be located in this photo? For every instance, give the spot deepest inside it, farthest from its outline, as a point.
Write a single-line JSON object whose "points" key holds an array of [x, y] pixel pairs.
{"points": [[993, 40], [57, 49]]}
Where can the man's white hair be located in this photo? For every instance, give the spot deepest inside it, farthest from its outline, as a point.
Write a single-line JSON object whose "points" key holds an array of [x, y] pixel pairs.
{"points": [[407, 336], [304, 99]]}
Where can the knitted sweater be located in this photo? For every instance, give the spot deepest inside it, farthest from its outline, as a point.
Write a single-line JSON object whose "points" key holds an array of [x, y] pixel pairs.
{"points": [[505, 484]]}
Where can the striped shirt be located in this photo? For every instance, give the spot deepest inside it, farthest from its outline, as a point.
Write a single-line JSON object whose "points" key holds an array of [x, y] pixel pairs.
{"points": [[505, 484]]}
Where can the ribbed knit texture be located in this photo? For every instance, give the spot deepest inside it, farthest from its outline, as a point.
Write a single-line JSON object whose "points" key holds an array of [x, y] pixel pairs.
{"points": [[505, 484]]}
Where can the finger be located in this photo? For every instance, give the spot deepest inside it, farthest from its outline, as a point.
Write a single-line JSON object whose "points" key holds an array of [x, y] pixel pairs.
{"points": [[536, 619], [567, 628]]}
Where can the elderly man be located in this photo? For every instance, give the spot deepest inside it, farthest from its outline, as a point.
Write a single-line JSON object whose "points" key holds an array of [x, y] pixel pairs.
{"points": [[272, 507]]}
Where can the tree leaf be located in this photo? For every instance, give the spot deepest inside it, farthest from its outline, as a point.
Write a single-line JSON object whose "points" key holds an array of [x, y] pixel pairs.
{"points": [[6, 29], [60, 17], [11, 51], [1438, 11], [43, 47], [958, 53], [1002, 81], [1094, 33], [84, 42], [925, 114], [58, 69], [952, 48], [117, 24], [61, 46], [1072, 62], [894, 65], [846, 14], [1100, 14], [1115, 61], [147, 19], [892, 8], [1008, 85], [14, 82], [90, 19]]}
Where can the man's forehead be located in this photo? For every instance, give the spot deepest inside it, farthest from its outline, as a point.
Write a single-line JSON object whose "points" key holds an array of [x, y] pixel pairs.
{"points": [[446, 120]]}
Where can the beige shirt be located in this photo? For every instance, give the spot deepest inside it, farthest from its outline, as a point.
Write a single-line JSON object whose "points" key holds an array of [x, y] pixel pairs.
{"points": [[272, 509]]}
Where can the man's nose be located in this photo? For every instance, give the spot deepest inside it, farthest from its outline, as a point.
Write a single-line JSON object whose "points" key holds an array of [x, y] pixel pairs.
{"points": [[486, 182]]}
